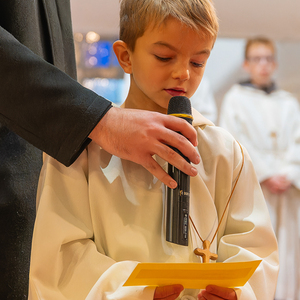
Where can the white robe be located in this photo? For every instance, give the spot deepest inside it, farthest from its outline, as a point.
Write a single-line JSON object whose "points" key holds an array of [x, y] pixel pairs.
{"points": [[98, 218], [268, 125]]}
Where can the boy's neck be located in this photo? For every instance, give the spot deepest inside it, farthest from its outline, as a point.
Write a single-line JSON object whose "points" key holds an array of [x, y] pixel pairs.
{"points": [[134, 103]]}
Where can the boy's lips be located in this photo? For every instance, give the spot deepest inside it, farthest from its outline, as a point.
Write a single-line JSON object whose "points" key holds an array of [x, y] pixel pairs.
{"points": [[175, 92]]}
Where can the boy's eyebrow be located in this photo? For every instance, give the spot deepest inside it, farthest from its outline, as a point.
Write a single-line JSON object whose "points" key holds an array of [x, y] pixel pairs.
{"points": [[160, 43]]}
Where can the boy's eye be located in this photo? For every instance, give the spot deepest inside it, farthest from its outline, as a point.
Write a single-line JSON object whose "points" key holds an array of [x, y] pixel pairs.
{"points": [[162, 58], [197, 65]]}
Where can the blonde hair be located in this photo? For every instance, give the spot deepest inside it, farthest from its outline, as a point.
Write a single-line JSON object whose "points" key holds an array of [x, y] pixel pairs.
{"points": [[259, 40], [137, 15]]}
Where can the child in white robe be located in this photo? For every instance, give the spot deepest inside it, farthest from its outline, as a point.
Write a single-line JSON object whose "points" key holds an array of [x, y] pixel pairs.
{"points": [[98, 218], [266, 120]]}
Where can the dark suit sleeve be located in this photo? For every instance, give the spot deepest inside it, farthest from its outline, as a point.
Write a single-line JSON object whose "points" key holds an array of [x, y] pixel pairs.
{"points": [[44, 105]]}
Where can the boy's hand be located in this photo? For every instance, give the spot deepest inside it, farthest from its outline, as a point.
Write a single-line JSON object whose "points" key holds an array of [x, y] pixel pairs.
{"points": [[168, 292], [213, 292], [137, 135]]}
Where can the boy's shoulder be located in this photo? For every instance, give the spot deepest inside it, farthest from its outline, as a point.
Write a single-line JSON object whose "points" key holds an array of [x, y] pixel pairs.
{"points": [[209, 134], [286, 95], [200, 120]]}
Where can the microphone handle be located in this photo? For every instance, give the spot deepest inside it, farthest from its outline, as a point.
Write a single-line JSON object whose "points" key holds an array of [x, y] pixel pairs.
{"points": [[177, 218]]}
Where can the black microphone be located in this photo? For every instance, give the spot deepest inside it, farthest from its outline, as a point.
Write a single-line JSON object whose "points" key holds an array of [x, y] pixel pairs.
{"points": [[178, 199]]}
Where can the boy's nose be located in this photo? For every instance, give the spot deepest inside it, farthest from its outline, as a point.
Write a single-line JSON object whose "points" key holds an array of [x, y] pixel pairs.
{"points": [[182, 74]]}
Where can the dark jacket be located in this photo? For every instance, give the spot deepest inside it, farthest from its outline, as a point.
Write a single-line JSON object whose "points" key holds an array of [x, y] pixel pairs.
{"points": [[39, 102], [43, 105]]}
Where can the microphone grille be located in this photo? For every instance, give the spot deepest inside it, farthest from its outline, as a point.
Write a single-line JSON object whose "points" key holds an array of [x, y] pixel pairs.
{"points": [[180, 106]]}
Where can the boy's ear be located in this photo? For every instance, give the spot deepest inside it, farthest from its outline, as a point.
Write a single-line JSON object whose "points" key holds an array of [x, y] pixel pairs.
{"points": [[246, 65], [123, 55]]}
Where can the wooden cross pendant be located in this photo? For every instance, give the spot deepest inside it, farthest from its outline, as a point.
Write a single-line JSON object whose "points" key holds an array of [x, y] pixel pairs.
{"points": [[205, 252]]}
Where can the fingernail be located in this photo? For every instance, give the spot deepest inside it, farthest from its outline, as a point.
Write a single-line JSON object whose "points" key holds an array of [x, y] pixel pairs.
{"points": [[194, 171], [173, 184]]}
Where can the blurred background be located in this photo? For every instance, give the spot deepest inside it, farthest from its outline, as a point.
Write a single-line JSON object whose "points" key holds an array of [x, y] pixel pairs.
{"points": [[96, 27]]}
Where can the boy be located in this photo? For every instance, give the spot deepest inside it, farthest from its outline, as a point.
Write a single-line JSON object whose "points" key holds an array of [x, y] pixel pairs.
{"points": [[99, 218], [266, 120]]}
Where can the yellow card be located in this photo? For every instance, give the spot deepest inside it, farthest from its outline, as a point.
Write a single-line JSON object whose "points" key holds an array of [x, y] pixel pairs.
{"points": [[193, 275]]}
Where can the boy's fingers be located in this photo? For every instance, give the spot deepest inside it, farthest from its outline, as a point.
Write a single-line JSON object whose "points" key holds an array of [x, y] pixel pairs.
{"points": [[168, 292], [221, 292]]}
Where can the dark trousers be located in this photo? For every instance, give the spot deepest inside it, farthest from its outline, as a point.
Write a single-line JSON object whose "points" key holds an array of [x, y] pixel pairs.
{"points": [[20, 165]]}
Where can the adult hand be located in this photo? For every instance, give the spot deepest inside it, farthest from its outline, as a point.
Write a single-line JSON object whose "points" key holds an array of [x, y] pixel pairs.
{"points": [[213, 292], [137, 135], [277, 184], [168, 292]]}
